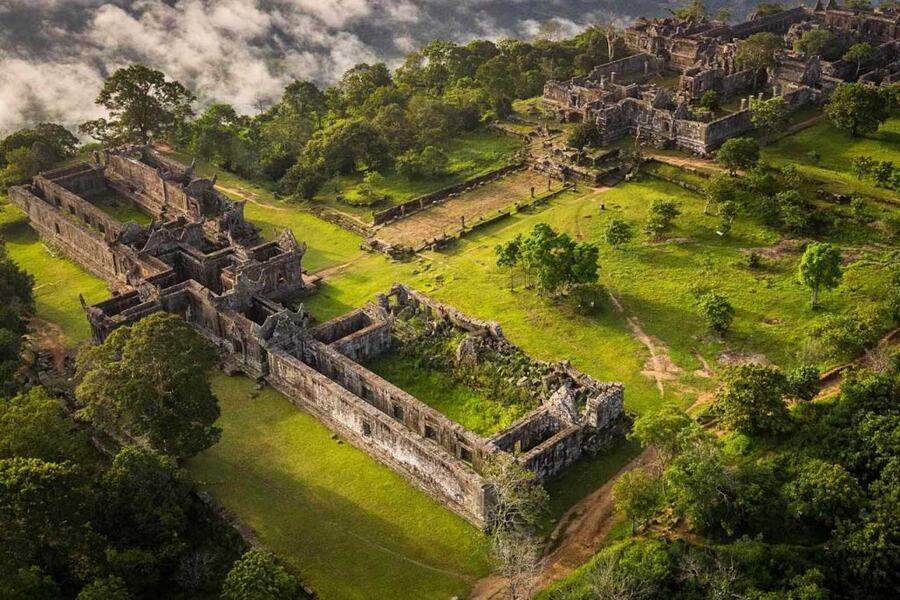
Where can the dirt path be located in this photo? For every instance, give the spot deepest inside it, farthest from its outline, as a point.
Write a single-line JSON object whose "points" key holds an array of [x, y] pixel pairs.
{"points": [[830, 381], [659, 367], [582, 530], [249, 197], [686, 161]]}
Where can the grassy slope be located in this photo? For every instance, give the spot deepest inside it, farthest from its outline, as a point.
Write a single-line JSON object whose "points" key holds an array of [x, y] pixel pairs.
{"points": [[470, 155], [57, 282], [454, 399], [837, 148], [350, 527]]}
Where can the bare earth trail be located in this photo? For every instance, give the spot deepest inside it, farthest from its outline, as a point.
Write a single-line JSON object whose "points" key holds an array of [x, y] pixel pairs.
{"points": [[660, 367]]}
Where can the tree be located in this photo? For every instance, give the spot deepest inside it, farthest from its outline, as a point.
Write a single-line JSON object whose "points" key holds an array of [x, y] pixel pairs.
{"points": [[823, 493], [718, 189], [727, 213], [619, 232], [662, 213], [42, 508], [857, 108], [34, 425], [519, 500], [256, 576], [146, 501], [142, 104], [820, 267], [149, 381], [519, 504], [555, 260], [858, 53], [710, 100], [751, 400], [769, 114], [803, 382], [716, 310], [698, 484], [345, 147], [669, 430], [738, 153], [636, 495], [862, 166], [108, 588], [764, 9], [584, 134], [16, 302], [814, 42], [27, 152], [695, 11], [431, 163], [759, 50]]}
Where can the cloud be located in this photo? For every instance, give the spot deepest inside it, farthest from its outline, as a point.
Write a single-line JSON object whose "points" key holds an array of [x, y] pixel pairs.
{"points": [[54, 54]]}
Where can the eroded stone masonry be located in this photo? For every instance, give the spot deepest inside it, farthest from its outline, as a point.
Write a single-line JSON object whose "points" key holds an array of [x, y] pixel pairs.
{"points": [[201, 260], [625, 97]]}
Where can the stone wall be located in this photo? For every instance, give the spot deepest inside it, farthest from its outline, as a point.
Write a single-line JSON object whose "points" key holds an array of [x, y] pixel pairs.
{"points": [[416, 204]]}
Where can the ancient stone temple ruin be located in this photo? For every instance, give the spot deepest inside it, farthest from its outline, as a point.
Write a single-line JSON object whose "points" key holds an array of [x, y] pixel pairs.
{"points": [[630, 96], [198, 258]]}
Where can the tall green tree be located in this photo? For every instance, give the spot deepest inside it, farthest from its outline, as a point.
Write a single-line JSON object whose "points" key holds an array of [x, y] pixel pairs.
{"points": [[857, 108], [150, 381], [820, 267], [27, 152], [146, 502], [751, 399], [738, 153], [142, 104], [256, 576]]}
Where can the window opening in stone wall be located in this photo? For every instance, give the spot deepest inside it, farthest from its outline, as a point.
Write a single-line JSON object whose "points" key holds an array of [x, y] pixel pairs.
{"points": [[398, 412], [366, 428], [56, 228], [367, 393], [465, 454], [430, 433]]}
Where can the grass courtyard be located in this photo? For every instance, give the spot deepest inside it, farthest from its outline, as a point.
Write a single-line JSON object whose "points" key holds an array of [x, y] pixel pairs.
{"points": [[465, 405], [58, 282]]}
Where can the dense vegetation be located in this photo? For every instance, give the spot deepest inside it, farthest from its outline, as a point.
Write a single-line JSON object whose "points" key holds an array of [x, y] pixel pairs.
{"points": [[123, 523], [798, 501]]}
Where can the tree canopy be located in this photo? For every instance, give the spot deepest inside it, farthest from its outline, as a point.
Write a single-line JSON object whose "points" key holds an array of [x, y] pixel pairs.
{"points": [[149, 381]]}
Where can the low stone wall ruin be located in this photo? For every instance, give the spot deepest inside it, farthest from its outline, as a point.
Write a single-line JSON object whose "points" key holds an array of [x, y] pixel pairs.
{"points": [[416, 204]]}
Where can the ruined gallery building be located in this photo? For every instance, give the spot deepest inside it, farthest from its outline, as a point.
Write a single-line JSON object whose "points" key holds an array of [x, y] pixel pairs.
{"points": [[200, 259]]}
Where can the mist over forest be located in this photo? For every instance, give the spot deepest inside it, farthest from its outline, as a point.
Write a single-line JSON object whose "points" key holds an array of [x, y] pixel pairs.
{"points": [[54, 54]]}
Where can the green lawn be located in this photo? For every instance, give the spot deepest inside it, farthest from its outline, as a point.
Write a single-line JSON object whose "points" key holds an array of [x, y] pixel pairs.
{"points": [[837, 148], [471, 409], [351, 528], [57, 281], [119, 207], [470, 155]]}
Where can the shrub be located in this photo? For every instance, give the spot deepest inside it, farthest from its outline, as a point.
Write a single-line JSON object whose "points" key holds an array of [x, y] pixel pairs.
{"points": [[716, 310]]}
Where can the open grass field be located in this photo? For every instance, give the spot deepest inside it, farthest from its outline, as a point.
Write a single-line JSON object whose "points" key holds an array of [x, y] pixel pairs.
{"points": [[57, 282], [447, 217], [837, 148], [351, 528], [470, 155], [465, 405]]}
